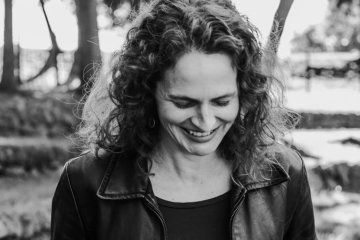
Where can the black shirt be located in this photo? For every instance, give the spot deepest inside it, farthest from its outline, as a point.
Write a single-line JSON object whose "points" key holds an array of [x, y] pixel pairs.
{"points": [[207, 219]]}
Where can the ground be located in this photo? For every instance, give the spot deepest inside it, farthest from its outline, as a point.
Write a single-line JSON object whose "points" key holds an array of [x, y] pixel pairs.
{"points": [[25, 208]]}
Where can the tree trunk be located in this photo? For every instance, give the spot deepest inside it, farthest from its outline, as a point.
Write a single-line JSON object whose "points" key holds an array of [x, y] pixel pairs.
{"points": [[17, 55], [278, 24], [8, 81], [87, 57], [53, 53]]}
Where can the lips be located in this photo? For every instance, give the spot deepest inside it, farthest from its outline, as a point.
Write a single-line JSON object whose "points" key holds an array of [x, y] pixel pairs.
{"points": [[198, 133]]}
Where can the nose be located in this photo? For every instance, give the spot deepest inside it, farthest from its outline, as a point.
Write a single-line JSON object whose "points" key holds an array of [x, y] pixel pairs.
{"points": [[204, 118]]}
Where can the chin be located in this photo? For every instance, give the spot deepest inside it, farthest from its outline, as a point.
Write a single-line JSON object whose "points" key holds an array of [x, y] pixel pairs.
{"points": [[201, 150]]}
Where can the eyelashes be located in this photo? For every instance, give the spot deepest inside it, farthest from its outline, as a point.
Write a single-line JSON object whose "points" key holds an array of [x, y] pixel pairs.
{"points": [[188, 104], [184, 105]]}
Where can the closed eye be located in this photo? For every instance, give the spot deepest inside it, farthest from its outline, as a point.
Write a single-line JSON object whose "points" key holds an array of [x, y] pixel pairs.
{"points": [[221, 103], [184, 104]]}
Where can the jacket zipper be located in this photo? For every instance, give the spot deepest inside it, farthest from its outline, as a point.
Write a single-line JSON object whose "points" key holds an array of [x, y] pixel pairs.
{"points": [[157, 212], [235, 209]]}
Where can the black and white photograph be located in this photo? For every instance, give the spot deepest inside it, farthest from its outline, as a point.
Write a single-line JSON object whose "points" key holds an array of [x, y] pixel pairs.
{"points": [[180, 119]]}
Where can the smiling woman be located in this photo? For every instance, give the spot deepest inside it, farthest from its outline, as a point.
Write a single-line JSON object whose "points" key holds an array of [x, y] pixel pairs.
{"points": [[184, 138], [197, 102]]}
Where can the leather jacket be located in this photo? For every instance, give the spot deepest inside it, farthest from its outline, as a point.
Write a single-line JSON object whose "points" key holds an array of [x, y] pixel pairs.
{"points": [[110, 198]]}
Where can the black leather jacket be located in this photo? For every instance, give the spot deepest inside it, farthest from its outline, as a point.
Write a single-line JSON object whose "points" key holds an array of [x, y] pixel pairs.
{"points": [[110, 198]]}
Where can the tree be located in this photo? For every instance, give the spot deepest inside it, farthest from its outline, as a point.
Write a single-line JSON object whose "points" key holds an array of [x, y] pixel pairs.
{"points": [[54, 52], [115, 4], [8, 81], [311, 40], [87, 56], [342, 24], [339, 32], [278, 24]]}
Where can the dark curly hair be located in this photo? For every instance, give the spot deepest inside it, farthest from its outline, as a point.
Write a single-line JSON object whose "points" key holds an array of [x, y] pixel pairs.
{"points": [[163, 32]]}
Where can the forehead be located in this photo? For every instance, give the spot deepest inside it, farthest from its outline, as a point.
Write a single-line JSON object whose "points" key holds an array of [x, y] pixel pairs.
{"points": [[196, 73]]}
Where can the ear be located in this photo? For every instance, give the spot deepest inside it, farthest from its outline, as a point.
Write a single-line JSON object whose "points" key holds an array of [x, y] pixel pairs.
{"points": [[242, 112]]}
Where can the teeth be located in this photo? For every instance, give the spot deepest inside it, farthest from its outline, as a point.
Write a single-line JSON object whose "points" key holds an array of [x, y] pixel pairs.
{"points": [[200, 134]]}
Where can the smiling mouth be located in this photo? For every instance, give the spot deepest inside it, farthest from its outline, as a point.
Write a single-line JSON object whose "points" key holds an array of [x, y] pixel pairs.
{"points": [[199, 134]]}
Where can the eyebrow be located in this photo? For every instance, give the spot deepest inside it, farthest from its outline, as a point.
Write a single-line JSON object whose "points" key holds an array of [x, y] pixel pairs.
{"points": [[186, 98]]}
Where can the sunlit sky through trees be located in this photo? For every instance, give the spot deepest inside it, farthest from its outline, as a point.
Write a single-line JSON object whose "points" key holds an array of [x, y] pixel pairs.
{"points": [[31, 32]]}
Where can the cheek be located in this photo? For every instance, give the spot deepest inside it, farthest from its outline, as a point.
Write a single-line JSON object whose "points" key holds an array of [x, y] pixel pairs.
{"points": [[230, 113], [169, 114]]}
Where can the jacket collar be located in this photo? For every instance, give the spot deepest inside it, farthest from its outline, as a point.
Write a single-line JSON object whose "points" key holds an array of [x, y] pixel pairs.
{"points": [[123, 179], [272, 174]]}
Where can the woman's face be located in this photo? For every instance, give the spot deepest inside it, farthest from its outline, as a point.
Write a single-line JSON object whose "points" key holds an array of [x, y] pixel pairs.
{"points": [[197, 102]]}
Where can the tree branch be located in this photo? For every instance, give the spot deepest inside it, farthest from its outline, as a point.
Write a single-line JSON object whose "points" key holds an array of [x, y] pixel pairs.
{"points": [[278, 24]]}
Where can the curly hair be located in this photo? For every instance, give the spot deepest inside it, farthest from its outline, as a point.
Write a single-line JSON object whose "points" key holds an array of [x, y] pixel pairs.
{"points": [[163, 32]]}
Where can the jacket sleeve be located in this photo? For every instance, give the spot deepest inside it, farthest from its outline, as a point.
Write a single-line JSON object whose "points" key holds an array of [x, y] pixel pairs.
{"points": [[66, 223], [302, 224]]}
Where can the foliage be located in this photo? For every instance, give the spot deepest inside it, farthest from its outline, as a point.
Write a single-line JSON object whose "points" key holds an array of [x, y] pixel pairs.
{"points": [[37, 114], [343, 26], [19, 156], [310, 40], [34, 130], [339, 32], [27, 121], [117, 8]]}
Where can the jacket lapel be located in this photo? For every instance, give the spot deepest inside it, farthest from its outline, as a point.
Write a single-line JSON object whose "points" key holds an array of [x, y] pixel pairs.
{"points": [[124, 179], [270, 175]]}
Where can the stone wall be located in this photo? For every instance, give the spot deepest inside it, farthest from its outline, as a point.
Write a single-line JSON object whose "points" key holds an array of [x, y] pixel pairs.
{"points": [[329, 120]]}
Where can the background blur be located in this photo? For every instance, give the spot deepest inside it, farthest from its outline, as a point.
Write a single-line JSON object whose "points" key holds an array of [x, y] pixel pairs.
{"points": [[51, 48]]}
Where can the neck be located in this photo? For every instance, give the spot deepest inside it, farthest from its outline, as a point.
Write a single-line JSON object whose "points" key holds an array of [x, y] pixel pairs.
{"points": [[186, 167], [179, 175], [185, 177]]}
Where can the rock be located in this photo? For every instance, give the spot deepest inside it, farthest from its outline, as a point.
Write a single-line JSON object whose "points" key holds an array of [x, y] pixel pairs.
{"points": [[21, 155], [329, 120], [334, 176], [350, 141], [331, 157], [337, 215]]}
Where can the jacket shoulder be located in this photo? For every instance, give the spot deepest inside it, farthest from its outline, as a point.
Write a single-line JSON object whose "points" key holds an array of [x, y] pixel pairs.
{"points": [[87, 170], [290, 160], [86, 159], [293, 164], [299, 208]]}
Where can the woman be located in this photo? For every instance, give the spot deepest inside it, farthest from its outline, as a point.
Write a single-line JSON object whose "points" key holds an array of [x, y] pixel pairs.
{"points": [[188, 148]]}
